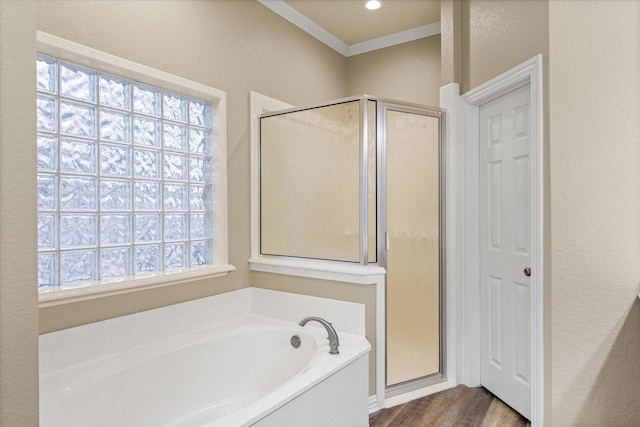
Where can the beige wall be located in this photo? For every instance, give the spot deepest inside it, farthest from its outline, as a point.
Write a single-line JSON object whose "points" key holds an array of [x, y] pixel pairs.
{"points": [[498, 35], [407, 72], [18, 295], [595, 212], [235, 46], [451, 42]]}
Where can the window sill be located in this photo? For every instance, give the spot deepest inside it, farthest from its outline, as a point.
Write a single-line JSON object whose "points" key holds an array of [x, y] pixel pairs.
{"points": [[101, 289], [316, 269]]}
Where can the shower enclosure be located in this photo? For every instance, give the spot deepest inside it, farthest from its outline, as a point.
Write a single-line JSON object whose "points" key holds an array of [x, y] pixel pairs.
{"points": [[360, 181]]}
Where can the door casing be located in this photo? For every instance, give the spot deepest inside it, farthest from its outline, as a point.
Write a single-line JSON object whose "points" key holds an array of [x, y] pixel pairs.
{"points": [[530, 72]]}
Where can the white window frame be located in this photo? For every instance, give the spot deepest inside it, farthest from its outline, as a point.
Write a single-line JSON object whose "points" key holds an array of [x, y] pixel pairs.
{"points": [[70, 51]]}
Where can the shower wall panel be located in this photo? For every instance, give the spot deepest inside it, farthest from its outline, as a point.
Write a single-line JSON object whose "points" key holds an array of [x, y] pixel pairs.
{"points": [[310, 183]]}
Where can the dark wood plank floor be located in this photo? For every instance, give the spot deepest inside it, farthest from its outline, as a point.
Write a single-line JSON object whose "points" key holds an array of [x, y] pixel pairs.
{"points": [[459, 406]]}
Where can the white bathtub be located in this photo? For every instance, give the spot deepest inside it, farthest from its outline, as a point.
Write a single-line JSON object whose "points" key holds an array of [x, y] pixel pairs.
{"points": [[235, 373]]}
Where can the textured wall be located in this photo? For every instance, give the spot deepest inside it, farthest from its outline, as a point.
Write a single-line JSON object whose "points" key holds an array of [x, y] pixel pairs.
{"points": [[407, 72], [498, 35], [595, 214], [18, 295], [235, 46], [451, 39]]}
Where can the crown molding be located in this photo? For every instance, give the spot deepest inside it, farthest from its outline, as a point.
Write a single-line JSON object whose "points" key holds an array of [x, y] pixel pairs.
{"points": [[292, 15], [394, 39]]}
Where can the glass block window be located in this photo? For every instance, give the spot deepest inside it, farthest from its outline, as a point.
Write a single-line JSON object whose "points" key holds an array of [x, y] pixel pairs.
{"points": [[124, 177]]}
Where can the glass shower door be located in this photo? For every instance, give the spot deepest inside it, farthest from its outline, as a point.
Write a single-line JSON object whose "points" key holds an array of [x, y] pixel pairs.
{"points": [[413, 260]]}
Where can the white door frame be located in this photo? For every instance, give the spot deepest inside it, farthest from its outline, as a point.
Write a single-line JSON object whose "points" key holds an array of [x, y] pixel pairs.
{"points": [[529, 72]]}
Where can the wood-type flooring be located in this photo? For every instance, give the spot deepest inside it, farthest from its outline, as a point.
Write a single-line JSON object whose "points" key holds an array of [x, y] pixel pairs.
{"points": [[460, 407]]}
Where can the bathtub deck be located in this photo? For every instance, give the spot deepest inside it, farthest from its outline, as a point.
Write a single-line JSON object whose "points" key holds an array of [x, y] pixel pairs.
{"points": [[459, 406]]}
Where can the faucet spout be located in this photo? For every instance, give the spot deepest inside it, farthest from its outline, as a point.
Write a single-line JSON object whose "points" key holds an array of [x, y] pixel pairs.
{"points": [[332, 334]]}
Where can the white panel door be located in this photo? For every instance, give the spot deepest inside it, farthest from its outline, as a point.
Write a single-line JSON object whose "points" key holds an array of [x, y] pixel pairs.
{"points": [[505, 254]]}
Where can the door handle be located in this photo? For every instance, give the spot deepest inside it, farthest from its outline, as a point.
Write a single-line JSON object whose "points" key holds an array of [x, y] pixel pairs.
{"points": [[527, 271]]}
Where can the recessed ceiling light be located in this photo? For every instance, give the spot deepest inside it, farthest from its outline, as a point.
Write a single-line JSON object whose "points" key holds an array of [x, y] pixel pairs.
{"points": [[373, 4]]}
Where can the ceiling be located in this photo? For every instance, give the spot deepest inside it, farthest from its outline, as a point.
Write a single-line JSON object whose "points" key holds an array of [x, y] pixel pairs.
{"points": [[349, 21], [349, 28]]}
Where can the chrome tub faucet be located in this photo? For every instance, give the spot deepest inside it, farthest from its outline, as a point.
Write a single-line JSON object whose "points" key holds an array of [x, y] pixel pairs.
{"points": [[332, 334]]}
